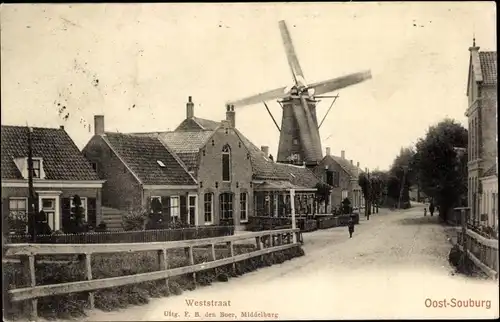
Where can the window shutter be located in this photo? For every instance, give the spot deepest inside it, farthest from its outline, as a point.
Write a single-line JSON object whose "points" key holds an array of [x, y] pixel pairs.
{"points": [[66, 213], [5, 215], [165, 208], [92, 212]]}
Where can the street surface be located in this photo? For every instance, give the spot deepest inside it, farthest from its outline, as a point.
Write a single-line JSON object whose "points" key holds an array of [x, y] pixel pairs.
{"points": [[393, 263]]}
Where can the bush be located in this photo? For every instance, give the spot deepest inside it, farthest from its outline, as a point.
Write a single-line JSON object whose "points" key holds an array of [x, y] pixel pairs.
{"points": [[135, 220]]}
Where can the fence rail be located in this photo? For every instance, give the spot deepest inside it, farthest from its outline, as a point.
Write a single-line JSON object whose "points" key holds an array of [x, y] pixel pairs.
{"points": [[143, 236], [266, 242]]}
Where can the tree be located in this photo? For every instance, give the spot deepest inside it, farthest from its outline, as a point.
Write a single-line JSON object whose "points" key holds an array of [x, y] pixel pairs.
{"points": [[440, 170], [376, 191], [323, 193], [155, 220], [402, 169], [346, 206], [77, 218], [364, 183]]}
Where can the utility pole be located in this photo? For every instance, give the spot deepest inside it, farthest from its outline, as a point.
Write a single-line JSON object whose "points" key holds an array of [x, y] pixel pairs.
{"points": [[31, 190]]}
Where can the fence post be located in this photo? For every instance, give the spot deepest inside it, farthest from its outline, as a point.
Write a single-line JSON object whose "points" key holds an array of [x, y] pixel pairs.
{"points": [[191, 262], [214, 258], [86, 262], [231, 250], [162, 260], [28, 266]]}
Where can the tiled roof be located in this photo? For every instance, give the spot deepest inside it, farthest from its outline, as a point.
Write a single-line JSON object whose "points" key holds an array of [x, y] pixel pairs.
{"points": [[263, 168], [141, 153], [185, 144], [488, 61], [491, 171], [62, 160], [351, 169], [196, 123], [299, 176]]}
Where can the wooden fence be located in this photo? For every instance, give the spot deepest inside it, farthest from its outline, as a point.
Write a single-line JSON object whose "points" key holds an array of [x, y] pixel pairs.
{"points": [[482, 251], [142, 236], [258, 223], [266, 242]]}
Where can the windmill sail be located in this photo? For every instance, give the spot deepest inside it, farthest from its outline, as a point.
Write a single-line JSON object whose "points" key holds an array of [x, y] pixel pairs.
{"points": [[291, 56]]}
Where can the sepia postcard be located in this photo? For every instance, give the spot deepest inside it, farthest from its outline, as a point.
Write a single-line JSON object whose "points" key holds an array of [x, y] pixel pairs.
{"points": [[249, 161]]}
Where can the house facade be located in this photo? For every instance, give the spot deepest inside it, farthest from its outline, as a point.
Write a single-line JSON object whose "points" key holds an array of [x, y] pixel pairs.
{"points": [[138, 169], [60, 173], [217, 157], [482, 141], [342, 175]]}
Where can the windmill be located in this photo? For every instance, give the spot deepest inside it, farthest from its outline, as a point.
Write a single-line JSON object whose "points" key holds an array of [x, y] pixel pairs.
{"points": [[299, 133]]}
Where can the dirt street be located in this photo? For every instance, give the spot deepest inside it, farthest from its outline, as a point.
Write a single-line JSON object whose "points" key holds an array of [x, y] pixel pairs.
{"points": [[394, 267]]}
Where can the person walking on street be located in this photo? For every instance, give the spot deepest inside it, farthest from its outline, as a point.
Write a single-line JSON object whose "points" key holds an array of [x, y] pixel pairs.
{"points": [[350, 225], [431, 208]]}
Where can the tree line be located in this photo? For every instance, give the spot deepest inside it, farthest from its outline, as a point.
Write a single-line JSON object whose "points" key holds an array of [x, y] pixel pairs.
{"points": [[436, 165]]}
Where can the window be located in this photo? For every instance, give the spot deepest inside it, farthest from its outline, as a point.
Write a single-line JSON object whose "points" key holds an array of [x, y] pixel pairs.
{"points": [[94, 166], [329, 177], [208, 207], [48, 205], [344, 194], [192, 210], [18, 215], [174, 206], [37, 168], [226, 163], [83, 205], [226, 205], [243, 207]]}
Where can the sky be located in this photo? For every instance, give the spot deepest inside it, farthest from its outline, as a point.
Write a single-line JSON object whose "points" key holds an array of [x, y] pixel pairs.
{"points": [[136, 64]]}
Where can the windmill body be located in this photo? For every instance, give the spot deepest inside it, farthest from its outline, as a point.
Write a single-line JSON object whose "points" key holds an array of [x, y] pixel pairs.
{"points": [[300, 141]]}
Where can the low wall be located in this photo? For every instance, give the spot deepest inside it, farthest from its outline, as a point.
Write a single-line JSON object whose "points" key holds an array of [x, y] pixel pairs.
{"points": [[336, 221]]}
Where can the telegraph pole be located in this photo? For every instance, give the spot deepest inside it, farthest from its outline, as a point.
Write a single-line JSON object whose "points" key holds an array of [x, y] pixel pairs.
{"points": [[31, 190]]}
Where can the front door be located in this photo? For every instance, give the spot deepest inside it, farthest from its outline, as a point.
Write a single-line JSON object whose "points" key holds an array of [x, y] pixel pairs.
{"points": [[49, 205]]}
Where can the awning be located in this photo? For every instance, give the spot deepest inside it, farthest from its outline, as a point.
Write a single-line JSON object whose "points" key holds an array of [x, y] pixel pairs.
{"points": [[279, 185]]}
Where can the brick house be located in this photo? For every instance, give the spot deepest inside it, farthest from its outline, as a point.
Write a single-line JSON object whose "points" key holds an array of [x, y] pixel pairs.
{"points": [[60, 172], [482, 130], [343, 176], [231, 172], [138, 169]]}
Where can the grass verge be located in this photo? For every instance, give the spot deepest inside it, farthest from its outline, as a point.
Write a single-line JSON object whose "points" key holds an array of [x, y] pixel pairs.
{"points": [[105, 265]]}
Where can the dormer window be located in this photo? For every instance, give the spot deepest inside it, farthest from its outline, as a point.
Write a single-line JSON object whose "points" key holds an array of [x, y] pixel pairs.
{"points": [[38, 171], [37, 168]]}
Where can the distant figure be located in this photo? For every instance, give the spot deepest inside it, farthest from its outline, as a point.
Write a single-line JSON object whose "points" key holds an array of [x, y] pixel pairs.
{"points": [[350, 225], [431, 208], [425, 211]]}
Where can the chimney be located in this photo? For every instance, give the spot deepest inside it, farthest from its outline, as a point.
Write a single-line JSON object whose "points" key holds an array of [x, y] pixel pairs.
{"points": [[351, 162], [265, 149], [61, 127], [98, 124], [357, 164], [342, 154], [190, 108], [231, 115], [328, 151]]}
